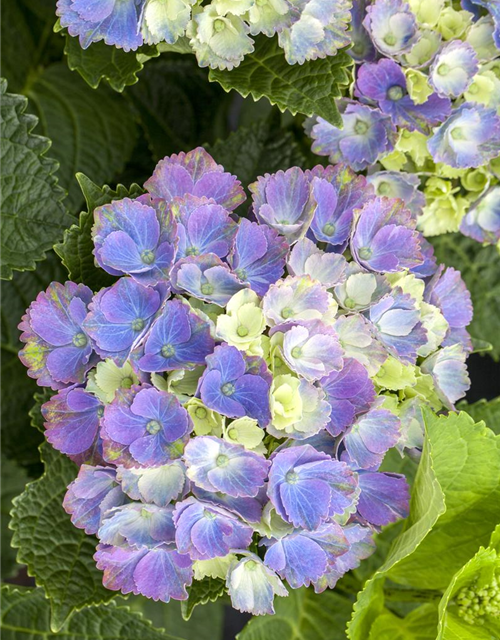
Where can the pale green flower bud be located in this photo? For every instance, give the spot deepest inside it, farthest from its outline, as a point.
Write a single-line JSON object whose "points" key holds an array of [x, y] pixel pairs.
{"points": [[423, 50], [394, 375], [205, 421], [427, 11], [108, 378], [475, 180], [418, 86], [453, 24], [245, 431], [442, 215]]}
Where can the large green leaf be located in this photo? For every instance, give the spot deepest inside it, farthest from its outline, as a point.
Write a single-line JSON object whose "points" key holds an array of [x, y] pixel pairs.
{"points": [[32, 214], [486, 410], [56, 553], [201, 592], [76, 248], [93, 131], [480, 267], [303, 615], [420, 624], [26, 616], [18, 45], [13, 480], [310, 88]]}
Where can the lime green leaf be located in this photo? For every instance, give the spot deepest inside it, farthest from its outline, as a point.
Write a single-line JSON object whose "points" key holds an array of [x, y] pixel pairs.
{"points": [[486, 410], [26, 616], [76, 248], [303, 615], [57, 554], [201, 592], [480, 267], [92, 131], [466, 462], [13, 480], [310, 88], [420, 624], [32, 214]]}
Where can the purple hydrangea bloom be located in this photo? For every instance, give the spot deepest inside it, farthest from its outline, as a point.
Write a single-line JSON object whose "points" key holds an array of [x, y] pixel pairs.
{"points": [[249, 509], [179, 339], [392, 26], [366, 134], [349, 392], [284, 202], [203, 227], [308, 487], [398, 184], [296, 299], [482, 221], [206, 277], [371, 436], [396, 319], [114, 21], [448, 292], [470, 137], [385, 238], [57, 350], [160, 573], [72, 420], [385, 83], [234, 386], [133, 238], [453, 69], [307, 259], [429, 265], [449, 373], [91, 495], [338, 191], [362, 46], [207, 531], [216, 465], [137, 525], [195, 173], [303, 557], [119, 318], [384, 497], [155, 485], [145, 421], [258, 255]]}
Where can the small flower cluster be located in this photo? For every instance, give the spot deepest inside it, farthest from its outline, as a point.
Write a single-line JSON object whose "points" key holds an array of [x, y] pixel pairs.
{"points": [[425, 106], [478, 603], [231, 397], [219, 32]]}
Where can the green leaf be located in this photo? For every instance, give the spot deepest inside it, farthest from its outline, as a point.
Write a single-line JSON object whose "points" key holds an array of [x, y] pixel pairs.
{"points": [[262, 148], [26, 616], [303, 615], [76, 248], [480, 267], [466, 462], [486, 410], [13, 480], [310, 88], [92, 131], [202, 592], [56, 553], [18, 45], [420, 624], [32, 214], [100, 61]]}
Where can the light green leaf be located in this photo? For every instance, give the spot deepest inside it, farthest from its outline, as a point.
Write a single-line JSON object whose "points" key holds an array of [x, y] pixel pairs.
{"points": [[26, 616], [92, 131], [310, 88], [480, 267], [76, 248], [56, 553], [486, 410], [13, 480], [303, 615], [32, 214], [202, 592], [420, 624]]}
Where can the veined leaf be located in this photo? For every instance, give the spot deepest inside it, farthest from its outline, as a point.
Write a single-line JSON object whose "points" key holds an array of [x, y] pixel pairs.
{"points": [[486, 410], [310, 88], [202, 592], [419, 624], [14, 478]]}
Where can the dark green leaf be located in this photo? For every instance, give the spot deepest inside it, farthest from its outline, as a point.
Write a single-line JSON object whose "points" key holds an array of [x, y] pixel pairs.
{"points": [[18, 45], [32, 214], [13, 480], [201, 592], [56, 553], [76, 248], [310, 88]]}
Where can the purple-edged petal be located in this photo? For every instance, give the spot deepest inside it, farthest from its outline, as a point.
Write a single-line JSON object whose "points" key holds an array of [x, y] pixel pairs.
{"points": [[449, 372], [384, 497], [371, 436]]}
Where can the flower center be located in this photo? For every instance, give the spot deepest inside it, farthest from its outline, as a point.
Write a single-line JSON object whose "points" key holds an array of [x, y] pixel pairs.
{"points": [[349, 303], [192, 251], [292, 477], [207, 289], [443, 69], [222, 460], [241, 273], [457, 133], [360, 127], [200, 413], [473, 89], [228, 389], [100, 412], [209, 514], [153, 426], [384, 188], [80, 340], [233, 433], [395, 92], [138, 324], [126, 383], [242, 331], [287, 312], [219, 25], [365, 253], [168, 350], [148, 256], [296, 352], [251, 565], [390, 39], [329, 228]]}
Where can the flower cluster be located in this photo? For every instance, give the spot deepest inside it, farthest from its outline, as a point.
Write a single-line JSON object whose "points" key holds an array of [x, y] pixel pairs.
{"points": [[219, 32], [424, 106], [231, 397]]}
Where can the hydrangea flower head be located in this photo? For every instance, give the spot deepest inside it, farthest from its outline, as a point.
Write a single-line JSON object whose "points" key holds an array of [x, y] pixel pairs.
{"points": [[482, 221], [252, 585], [164, 20], [392, 26], [296, 299], [453, 69], [307, 259]]}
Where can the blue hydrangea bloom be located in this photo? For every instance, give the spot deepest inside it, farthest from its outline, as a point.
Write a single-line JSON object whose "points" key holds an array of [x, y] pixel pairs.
{"points": [[294, 299], [371, 436], [429, 264], [482, 221], [137, 525], [114, 21], [384, 82], [384, 497], [258, 255], [398, 184], [362, 48], [453, 69], [145, 421], [133, 238], [216, 465], [249, 509], [120, 317], [470, 137], [308, 487], [206, 531], [392, 26], [57, 350], [178, 339], [307, 259], [155, 485], [449, 373], [234, 387], [91, 495], [366, 134]]}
